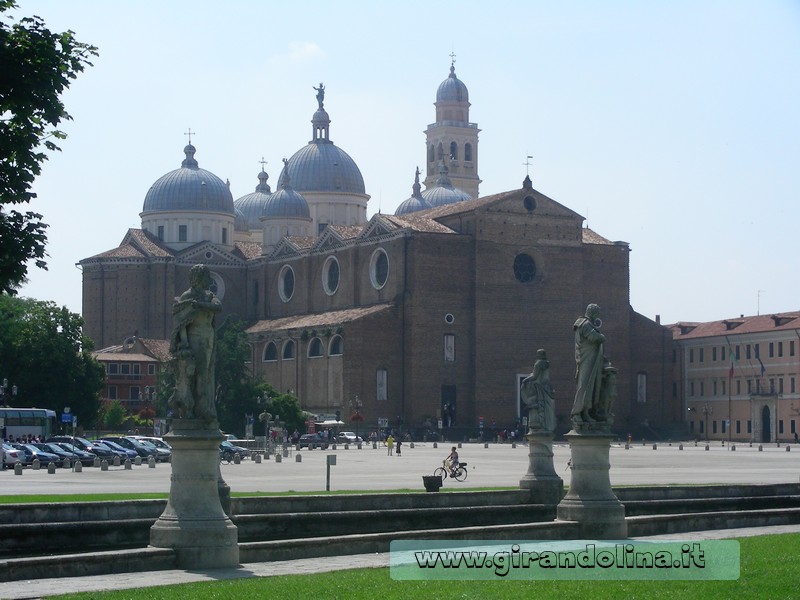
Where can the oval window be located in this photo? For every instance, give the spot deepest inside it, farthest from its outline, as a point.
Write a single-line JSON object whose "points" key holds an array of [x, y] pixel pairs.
{"points": [[379, 268], [286, 283], [330, 275], [524, 268]]}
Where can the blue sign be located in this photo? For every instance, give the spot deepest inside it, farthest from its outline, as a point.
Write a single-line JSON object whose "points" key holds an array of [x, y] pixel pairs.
{"points": [[66, 418]]}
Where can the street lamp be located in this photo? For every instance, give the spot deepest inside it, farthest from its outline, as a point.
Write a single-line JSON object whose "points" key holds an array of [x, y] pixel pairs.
{"points": [[5, 392], [706, 410]]}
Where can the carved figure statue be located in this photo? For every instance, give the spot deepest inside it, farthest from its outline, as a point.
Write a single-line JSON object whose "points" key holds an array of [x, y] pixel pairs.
{"points": [[537, 394], [589, 361], [320, 94], [192, 348]]}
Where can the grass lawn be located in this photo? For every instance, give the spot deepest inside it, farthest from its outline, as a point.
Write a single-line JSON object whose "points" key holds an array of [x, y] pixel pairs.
{"points": [[769, 570]]}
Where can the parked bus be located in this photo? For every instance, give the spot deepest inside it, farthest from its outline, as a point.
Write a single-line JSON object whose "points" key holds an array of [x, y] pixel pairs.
{"points": [[27, 421]]}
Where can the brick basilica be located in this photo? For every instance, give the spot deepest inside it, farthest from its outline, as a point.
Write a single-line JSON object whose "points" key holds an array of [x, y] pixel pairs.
{"points": [[429, 316]]}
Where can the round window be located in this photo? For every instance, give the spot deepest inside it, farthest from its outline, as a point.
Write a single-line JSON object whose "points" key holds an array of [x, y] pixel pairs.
{"points": [[524, 268], [530, 203], [379, 268], [449, 319], [330, 275], [286, 283], [217, 285]]}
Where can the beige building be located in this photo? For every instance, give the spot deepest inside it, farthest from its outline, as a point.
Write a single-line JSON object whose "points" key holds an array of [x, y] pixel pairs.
{"points": [[738, 378]]}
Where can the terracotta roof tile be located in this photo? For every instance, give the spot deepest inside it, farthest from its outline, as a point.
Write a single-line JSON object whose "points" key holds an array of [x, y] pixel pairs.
{"points": [[334, 317], [248, 250], [736, 326], [592, 237]]}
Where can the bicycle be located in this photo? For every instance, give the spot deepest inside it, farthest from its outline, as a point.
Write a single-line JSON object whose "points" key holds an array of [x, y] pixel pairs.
{"points": [[459, 473]]}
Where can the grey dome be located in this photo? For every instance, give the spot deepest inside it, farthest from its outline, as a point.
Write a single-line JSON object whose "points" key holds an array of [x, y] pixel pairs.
{"points": [[452, 89], [324, 167], [415, 203], [444, 192], [286, 202], [241, 222], [189, 188], [252, 205]]}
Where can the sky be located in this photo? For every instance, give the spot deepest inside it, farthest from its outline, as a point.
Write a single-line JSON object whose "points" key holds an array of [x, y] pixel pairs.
{"points": [[673, 126]]}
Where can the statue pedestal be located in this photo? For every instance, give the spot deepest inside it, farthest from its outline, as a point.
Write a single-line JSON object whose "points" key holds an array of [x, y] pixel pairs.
{"points": [[194, 523], [545, 486], [590, 500]]}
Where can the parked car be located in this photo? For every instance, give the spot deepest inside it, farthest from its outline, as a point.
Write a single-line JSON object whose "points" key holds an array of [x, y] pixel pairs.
{"points": [[33, 453], [228, 450], [348, 437], [156, 441], [12, 455], [85, 458], [133, 444], [54, 448], [123, 453], [84, 445], [312, 439], [162, 454]]}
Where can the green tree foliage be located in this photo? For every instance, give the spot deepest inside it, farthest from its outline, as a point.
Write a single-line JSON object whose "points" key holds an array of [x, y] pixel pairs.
{"points": [[115, 415], [44, 353], [286, 408], [236, 391], [36, 67]]}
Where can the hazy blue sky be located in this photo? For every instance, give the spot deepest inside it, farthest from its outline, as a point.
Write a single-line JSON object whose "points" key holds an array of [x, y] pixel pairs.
{"points": [[674, 126]]}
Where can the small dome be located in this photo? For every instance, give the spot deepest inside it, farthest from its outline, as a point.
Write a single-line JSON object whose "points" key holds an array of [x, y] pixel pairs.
{"points": [[321, 166], [452, 89], [252, 205], [415, 203], [444, 192], [286, 203], [189, 188], [241, 222]]}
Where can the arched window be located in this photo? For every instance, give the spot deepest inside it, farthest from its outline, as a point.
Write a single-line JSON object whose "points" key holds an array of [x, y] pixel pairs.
{"points": [[270, 352], [288, 350], [335, 347], [468, 152], [315, 348], [453, 151], [431, 154], [441, 151]]}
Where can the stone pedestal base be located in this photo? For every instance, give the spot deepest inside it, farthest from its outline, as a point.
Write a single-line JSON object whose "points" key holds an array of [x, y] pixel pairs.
{"points": [[590, 500], [545, 486], [194, 523]]}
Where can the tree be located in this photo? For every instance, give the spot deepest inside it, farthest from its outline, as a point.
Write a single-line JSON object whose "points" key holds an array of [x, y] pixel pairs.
{"points": [[236, 391], [115, 415], [44, 353], [37, 66]]}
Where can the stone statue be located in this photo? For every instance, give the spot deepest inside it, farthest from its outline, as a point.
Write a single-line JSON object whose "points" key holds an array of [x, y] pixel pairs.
{"points": [[537, 394], [320, 94], [192, 348], [589, 361]]}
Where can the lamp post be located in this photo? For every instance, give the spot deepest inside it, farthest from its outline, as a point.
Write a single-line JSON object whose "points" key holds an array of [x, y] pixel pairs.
{"points": [[706, 410], [6, 392], [356, 404]]}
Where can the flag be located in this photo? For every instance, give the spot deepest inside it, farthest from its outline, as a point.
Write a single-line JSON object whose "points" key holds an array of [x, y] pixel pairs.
{"points": [[763, 369]]}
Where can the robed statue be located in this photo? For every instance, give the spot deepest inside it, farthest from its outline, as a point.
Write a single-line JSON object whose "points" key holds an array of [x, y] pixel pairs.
{"points": [[192, 348], [594, 376], [537, 395]]}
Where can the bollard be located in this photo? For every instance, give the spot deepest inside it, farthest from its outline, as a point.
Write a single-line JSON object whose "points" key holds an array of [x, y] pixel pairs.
{"points": [[670, 442], [151, 462], [116, 461], [486, 444], [513, 445], [346, 446], [627, 446], [278, 458], [788, 447], [695, 443], [680, 446], [359, 445], [128, 465], [298, 458], [333, 446], [412, 444], [51, 467], [104, 465], [760, 448], [258, 458], [35, 465], [286, 453], [733, 447], [298, 447], [655, 446], [17, 468], [459, 444], [707, 447], [237, 458], [78, 466], [67, 464], [138, 461], [777, 444], [435, 445], [751, 444], [96, 461]]}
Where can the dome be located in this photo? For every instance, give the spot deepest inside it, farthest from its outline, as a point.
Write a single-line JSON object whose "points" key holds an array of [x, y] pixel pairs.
{"points": [[189, 188], [286, 202], [241, 222], [324, 167], [252, 205], [452, 89], [415, 203], [444, 192]]}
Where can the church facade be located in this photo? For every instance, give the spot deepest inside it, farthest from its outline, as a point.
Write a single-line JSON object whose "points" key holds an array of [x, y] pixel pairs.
{"points": [[423, 319]]}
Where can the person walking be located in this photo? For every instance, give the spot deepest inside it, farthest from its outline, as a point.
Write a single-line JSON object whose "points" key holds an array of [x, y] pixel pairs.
{"points": [[399, 443], [389, 444]]}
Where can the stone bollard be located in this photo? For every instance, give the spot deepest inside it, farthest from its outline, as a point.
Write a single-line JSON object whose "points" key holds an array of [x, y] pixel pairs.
{"points": [[486, 444], [298, 447], [375, 445], [151, 462], [695, 443], [435, 445], [670, 442], [35, 465], [128, 465], [751, 444], [298, 458], [278, 458], [733, 447], [788, 447], [78, 466], [346, 446], [116, 461], [412, 444], [237, 458], [104, 465], [257, 458], [333, 446], [17, 468], [627, 446], [513, 445], [459, 444], [760, 448], [138, 461], [51, 467], [655, 446], [644, 442], [285, 453], [67, 464], [680, 446], [96, 461], [707, 447], [359, 445]]}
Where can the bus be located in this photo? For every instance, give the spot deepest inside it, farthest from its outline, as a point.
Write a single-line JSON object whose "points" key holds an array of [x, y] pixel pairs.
{"points": [[21, 422]]}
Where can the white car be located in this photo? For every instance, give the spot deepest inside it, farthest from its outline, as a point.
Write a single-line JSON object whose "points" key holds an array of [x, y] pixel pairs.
{"points": [[12, 455], [348, 437]]}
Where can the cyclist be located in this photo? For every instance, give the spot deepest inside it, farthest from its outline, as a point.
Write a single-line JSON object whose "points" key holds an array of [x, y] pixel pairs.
{"points": [[452, 460]]}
